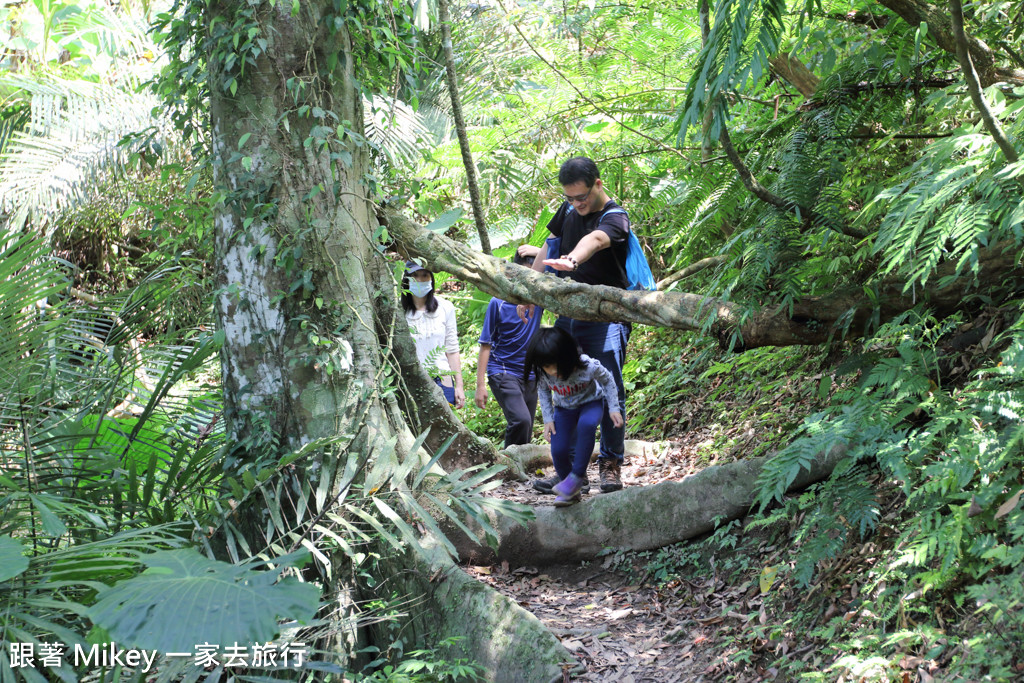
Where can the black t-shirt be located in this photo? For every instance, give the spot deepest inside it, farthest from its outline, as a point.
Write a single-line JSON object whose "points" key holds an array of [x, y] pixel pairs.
{"points": [[605, 267]]}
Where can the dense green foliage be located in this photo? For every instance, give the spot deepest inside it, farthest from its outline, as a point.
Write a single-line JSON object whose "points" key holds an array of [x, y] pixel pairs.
{"points": [[889, 148], [110, 436]]}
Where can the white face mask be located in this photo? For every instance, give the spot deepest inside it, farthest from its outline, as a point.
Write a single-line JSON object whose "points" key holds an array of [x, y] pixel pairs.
{"points": [[420, 289]]}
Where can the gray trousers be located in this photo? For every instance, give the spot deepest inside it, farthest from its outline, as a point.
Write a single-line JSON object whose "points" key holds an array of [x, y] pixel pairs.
{"points": [[518, 400]]}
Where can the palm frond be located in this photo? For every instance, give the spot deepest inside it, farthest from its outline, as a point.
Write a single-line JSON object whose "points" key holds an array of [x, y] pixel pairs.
{"points": [[395, 129], [123, 36], [73, 136]]}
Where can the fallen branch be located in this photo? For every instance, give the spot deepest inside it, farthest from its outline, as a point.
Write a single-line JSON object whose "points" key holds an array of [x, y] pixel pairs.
{"points": [[814, 320]]}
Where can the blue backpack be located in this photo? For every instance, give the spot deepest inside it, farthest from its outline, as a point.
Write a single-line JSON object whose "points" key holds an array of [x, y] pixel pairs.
{"points": [[638, 272]]}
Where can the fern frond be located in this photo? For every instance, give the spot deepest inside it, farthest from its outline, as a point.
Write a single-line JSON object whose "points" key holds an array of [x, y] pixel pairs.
{"points": [[945, 211], [734, 55]]}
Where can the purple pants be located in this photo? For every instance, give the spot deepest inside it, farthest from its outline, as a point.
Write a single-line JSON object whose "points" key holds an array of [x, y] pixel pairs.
{"points": [[573, 440]]}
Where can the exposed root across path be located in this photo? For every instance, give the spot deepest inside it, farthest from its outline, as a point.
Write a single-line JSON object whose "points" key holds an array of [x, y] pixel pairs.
{"points": [[714, 624], [618, 629], [650, 466], [624, 627]]}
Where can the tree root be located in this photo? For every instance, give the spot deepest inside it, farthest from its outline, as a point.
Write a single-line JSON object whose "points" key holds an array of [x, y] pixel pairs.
{"points": [[524, 460], [491, 629], [636, 518]]}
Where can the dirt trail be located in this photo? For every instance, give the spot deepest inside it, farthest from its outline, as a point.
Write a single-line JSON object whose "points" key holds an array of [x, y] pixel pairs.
{"points": [[617, 631], [618, 628]]}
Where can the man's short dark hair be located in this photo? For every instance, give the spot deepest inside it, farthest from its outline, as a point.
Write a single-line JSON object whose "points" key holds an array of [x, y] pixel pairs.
{"points": [[577, 169]]}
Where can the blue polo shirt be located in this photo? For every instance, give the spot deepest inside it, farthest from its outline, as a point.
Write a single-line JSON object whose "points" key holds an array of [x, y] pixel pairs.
{"points": [[508, 337]]}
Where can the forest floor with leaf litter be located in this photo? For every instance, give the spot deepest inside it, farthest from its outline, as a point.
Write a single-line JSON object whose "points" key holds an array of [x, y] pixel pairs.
{"points": [[623, 623], [618, 628]]}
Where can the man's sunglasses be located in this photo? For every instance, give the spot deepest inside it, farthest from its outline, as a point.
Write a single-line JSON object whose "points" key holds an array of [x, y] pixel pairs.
{"points": [[580, 198]]}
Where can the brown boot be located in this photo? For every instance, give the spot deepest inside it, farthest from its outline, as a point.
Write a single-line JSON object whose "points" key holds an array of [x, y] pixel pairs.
{"points": [[610, 470]]}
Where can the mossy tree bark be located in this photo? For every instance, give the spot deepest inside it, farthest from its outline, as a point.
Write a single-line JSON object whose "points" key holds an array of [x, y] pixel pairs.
{"points": [[313, 340]]}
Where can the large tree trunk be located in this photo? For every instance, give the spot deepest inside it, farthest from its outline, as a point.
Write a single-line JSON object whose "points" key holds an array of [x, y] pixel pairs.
{"points": [[306, 303], [290, 268]]}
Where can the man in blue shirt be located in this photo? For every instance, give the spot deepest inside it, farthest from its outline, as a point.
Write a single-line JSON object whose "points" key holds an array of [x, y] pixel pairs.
{"points": [[503, 343]]}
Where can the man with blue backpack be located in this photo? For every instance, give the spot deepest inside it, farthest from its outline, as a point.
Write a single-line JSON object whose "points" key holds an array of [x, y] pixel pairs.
{"points": [[592, 244]]}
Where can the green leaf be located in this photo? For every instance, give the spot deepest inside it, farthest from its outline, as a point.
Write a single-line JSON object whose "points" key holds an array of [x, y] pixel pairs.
{"points": [[52, 525], [445, 220], [185, 598], [12, 560]]}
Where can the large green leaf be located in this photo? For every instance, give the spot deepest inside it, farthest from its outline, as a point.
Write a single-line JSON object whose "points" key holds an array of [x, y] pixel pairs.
{"points": [[12, 559], [185, 598]]}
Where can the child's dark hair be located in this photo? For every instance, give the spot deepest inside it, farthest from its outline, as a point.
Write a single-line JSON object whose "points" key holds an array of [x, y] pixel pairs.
{"points": [[521, 260], [408, 305], [553, 346]]}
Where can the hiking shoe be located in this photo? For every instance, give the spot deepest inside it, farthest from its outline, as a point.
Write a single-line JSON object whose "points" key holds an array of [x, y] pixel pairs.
{"points": [[610, 471], [545, 485], [567, 492]]}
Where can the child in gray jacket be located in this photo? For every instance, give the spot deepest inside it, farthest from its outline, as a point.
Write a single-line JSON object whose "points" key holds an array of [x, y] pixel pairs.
{"points": [[573, 389]]}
